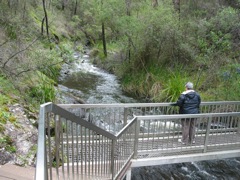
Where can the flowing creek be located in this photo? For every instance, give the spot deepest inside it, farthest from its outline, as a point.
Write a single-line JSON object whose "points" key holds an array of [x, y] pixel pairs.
{"points": [[94, 85]]}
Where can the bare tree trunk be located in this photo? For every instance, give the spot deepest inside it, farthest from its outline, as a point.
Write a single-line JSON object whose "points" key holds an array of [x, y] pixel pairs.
{"points": [[24, 9], [104, 40], [128, 7], [75, 7], [103, 36], [46, 17], [42, 26], [155, 3], [176, 4], [64, 3], [9, 3]]}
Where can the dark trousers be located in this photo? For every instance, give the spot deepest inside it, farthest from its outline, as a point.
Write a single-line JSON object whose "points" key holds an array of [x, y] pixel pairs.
{"points": [[188, 129]]}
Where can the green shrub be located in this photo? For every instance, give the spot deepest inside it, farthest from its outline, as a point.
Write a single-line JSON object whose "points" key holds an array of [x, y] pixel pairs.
{"points": [[43, 91], [7, 143], [173, 87]]}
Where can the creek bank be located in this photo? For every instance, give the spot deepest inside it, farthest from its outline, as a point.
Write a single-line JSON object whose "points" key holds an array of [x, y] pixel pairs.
{"points": [[23, 136]]}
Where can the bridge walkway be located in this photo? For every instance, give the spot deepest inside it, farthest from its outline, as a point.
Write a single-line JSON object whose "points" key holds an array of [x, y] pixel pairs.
{"points": [[106, 141]]}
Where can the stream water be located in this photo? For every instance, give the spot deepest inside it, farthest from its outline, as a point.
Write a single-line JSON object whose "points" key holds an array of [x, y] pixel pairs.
{"points": [[95, 85]]}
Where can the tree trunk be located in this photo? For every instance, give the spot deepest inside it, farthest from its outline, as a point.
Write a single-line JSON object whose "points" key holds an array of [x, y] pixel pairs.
{"points": [[46, 18], [42, 26], [75, 7], [155, 3], [176, 4], [64, 4], [128, 7], [103, 36], [104, 40]]}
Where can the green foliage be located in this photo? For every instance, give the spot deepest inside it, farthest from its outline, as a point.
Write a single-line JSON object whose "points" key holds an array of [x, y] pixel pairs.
{"points": [[219, 32], [230, 87], [67, 51], [158, 84], [173, 87], [203, 36], [6, 99], [43, 91], [7, 143]]}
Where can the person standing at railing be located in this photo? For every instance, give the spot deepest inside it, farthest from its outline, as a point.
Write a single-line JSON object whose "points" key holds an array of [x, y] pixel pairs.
{"points": [[189, 103]]}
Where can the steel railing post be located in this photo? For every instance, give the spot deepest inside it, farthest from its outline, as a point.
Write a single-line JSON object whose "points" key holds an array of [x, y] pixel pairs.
{"points": [[57, 142], [41, 166], [137, 131], [207, 133], [125, 116], [238, 126], [112, 158]]}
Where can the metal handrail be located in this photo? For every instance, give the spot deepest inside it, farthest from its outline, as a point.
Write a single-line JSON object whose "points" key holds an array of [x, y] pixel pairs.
{"points": [[41, 164], [112, 117], [74, 136]]}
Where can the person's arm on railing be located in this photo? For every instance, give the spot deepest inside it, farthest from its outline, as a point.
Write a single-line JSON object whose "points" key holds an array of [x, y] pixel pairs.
{"points": [[173, 104]]}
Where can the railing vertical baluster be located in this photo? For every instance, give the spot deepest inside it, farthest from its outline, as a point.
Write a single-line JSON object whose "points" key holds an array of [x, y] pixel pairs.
{"points": [[112, 166], [137, 131], [154, 130], [68, 171], [104, 152], [62, 145], [93, 147], [158, 130], [169, 129], [72, 134], [148, 136], [100, 153], [85, 150], [207, 133], [125, 112], [89, 152], [97, 153], [77, 153], [49, 145], [82, 150], [238, 125], [57, 143], [108, 166], [230, 121]]}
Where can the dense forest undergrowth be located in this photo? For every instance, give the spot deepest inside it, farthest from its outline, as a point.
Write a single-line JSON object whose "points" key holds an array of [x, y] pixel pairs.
{"points": [[154, 47]]}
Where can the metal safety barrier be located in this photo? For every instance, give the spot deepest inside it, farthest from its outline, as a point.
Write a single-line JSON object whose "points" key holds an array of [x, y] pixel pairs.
{"points": [[100, 141], [112, 117]]}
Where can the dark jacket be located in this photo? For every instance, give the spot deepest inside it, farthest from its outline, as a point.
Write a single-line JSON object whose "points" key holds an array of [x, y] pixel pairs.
{"points": [[189, 102]]}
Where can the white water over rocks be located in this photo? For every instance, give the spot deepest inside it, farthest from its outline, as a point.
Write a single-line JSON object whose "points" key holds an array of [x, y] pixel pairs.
{"points": [[95, 84]]}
